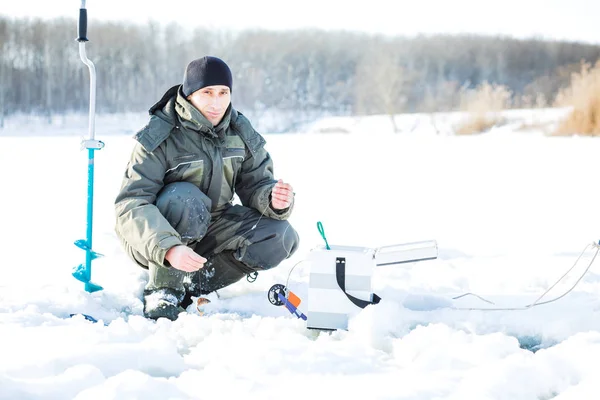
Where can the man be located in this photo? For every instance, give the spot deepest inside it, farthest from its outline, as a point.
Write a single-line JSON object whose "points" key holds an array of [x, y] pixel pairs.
{"points": [[174, 212]]}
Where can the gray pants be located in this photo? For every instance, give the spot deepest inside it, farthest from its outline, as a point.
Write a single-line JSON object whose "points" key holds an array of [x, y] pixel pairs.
{"points": [[238, 243]]}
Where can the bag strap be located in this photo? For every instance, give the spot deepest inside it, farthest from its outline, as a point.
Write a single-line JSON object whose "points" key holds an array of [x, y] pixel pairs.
{"points": [[340, 275]]}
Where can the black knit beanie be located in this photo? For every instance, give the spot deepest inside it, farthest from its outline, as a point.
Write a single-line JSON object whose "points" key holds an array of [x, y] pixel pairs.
{"points": [[206, 71]]}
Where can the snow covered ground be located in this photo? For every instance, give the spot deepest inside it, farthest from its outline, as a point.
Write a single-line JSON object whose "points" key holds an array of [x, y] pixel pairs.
{"points": [[511, 211]]}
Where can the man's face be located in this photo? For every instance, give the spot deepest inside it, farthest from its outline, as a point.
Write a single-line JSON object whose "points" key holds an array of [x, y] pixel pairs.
{"points": [[212, 102]]}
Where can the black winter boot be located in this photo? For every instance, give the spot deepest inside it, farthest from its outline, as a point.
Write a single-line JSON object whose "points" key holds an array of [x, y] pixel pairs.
{"points": [[162, 303]]}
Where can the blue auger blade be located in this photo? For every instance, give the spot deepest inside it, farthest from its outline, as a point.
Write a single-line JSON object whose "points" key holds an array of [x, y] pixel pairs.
{"points": [[92, 287], [83, 245], [81, 273]]}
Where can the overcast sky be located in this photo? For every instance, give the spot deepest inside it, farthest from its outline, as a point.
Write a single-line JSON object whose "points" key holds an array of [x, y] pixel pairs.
{"points": [[553, 19]]}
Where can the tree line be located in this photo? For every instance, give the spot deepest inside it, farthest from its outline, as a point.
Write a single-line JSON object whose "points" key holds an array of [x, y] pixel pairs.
{"points": [[303, 73]]}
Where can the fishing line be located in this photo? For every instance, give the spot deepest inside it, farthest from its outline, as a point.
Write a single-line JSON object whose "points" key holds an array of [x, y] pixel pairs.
{"points": [[538, 301]]}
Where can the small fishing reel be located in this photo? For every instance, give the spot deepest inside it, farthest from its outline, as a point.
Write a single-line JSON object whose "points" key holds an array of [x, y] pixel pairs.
{"points": [[279, 296], [274, 292]]}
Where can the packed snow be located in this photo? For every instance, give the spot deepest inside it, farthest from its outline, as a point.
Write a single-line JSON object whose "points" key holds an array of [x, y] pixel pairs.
{"points": [[511, 211]]}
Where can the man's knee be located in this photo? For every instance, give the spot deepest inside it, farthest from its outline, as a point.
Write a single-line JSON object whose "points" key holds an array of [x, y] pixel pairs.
{"points": [[186, 208], [280, 242], [290, 240]]}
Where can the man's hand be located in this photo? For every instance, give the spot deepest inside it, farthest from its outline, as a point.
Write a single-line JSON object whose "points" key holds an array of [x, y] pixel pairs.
{"points": [[184, 259], [281, 195]]}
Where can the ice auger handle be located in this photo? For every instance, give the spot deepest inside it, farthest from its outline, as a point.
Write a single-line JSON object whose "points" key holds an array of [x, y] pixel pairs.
{"points": [[82, 23]]}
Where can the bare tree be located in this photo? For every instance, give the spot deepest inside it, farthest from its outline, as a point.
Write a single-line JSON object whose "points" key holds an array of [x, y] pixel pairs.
{"points": [[381, 83], [5, 62]]}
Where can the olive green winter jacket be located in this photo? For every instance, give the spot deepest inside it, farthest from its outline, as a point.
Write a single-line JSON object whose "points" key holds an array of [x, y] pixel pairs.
{"points": [[180, 144]]}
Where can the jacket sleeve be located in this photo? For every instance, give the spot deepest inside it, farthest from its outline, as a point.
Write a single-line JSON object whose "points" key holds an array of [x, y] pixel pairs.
{"points": [[139, 222], [255, 181]]}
